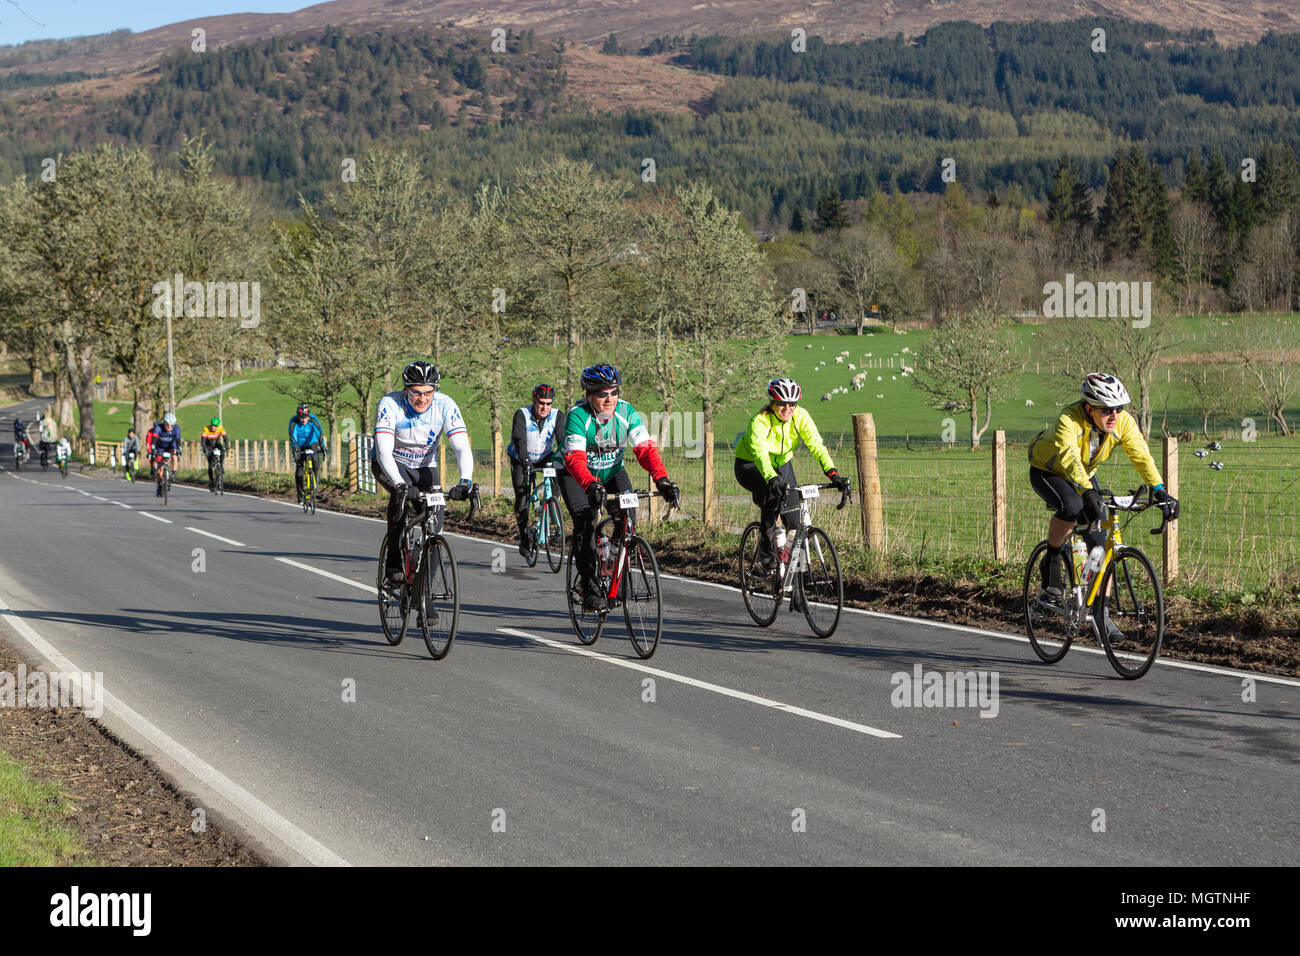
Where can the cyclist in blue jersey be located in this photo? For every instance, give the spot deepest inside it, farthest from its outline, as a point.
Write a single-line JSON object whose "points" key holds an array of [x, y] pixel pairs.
{"points": [[408, 425], [532, 445], [166, 444], [305, 434]]}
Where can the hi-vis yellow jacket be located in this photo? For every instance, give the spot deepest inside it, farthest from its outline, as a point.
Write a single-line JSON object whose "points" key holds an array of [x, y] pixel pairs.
{"points": [[1064, 452], [769, 442]]}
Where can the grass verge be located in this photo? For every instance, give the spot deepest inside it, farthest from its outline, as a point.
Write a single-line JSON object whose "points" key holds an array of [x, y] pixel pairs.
{"points": [[35, 817]]}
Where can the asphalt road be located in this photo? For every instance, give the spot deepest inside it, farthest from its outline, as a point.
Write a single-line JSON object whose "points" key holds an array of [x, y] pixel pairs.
{"points": [[760, 746]]}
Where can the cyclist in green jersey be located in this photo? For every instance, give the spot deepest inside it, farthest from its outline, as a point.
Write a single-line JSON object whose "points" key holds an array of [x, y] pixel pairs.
{"points": [[763, 459], [596, 432]]}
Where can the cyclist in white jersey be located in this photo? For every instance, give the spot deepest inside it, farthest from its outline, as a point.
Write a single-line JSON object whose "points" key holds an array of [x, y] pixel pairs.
{"points": [[532, 445], [408, 425]]}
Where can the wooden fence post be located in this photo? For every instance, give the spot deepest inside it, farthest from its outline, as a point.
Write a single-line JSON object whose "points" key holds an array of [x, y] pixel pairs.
{"points": [[351, 469], [708, 511], [654, 502], [999, 495], [1170, 543], [869, 495], [496, 465]]}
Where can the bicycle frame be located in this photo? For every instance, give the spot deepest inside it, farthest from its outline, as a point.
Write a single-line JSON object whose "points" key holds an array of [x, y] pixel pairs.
{"points": [[800, 552], [546, 490]]}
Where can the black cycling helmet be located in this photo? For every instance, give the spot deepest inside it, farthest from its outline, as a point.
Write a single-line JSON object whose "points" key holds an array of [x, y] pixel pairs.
{"points": [[596, 377], [421, 373], [544, 391], [304, 409]]}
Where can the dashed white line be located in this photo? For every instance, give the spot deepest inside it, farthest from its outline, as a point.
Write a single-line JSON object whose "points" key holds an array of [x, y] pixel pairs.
{"points": [[705, 685], [237, 544], [155, 517], [328, 574]]}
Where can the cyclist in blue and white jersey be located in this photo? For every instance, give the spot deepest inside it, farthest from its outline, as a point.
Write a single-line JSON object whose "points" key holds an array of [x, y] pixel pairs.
{"points": [[305, 433], [534, 430], [166, 442], [408, 425]]}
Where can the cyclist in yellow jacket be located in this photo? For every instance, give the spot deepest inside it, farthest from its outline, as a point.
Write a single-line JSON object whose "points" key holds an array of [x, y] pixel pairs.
{"points": [[214, 436], [763, 456], [1063, 464]]}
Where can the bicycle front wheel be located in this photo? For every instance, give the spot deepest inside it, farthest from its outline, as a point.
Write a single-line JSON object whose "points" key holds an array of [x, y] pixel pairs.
{"points": [[759, 587], [642, 601], [820, 581], [438, 608], [1046, 618], [586, 624], [531, 532], [221, 480], [554, 535], [392, 613], [1132, 600]]}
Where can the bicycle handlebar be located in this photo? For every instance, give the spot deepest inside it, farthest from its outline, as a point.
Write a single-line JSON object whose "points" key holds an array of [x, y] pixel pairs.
{"points": [[1134, 508], [845, 496]]}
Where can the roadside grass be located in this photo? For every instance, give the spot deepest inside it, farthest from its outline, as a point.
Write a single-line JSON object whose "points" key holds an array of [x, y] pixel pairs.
{"points": [[33, 821]]}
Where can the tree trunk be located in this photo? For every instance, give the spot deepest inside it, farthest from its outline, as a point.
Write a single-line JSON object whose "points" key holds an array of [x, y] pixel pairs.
{"points": [[974, 418], [571, 359]]}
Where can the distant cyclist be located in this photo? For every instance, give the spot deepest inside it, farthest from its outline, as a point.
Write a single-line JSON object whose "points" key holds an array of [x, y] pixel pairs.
{"points": [[408, 426], [20, 437], [596, 432], [763, 465], [214, 436], [532, 444], [47, 438], [1063, 468], [304, 433], [62, 451], [130, 450]]}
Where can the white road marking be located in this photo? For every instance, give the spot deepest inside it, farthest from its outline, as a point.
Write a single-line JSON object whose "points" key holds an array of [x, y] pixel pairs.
{"points": [[307, 846], [237, 544], [705, 685], [155, 517], [329, 574]]}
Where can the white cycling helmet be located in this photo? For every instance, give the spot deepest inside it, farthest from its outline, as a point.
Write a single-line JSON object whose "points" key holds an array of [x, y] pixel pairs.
{"points": [[1104, 391], [784, 390], [169, 418]]}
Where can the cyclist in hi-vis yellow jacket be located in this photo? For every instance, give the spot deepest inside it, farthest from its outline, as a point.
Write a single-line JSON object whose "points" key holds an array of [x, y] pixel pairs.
{"points": [[763, 459], [1063, 464]]}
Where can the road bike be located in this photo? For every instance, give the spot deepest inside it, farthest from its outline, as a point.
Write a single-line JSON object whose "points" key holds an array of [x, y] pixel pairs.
{"points": [[163, 477], [45, 455], [807, 569], [626, 573], [429, 577], [309, 481], [22, 452], [63, 465], [1122, 585], [545, 529], [128, 466], [217, 460]]}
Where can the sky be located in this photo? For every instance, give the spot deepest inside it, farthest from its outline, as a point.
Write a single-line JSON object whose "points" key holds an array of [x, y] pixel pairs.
{"points": [[22, 20]]}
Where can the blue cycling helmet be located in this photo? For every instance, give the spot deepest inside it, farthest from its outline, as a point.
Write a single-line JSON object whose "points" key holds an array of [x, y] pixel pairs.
{"points": [[596, 377]]}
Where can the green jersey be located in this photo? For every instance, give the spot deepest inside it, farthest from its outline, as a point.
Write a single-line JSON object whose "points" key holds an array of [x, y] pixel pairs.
{"points": [[603, 444]]}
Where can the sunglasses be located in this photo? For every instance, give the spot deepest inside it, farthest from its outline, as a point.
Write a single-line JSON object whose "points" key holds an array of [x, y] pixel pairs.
{"points": [[785, 404], [608, 393], [420, 394]]}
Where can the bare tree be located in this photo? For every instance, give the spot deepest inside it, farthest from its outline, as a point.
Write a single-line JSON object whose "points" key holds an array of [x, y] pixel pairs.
{"points": [[1198, 248], [968, 361], [1276, 370], [867, 266]]}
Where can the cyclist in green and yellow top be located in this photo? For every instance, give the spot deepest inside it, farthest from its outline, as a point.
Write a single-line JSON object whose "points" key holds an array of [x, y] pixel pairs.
{"points": [[763, 460], [1063, 465], [213, 436]]}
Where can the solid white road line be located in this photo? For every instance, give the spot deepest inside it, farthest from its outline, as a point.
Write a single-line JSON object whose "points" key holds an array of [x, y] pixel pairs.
{"points": [[308, 847], [705, 685], [237, 544], [329, 574], [155, 517]]}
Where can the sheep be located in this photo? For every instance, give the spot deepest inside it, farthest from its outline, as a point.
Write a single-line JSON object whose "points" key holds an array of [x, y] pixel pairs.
{"points": [[880, 378], [856, 385], [906, 349], [845, 352], [1029, 402], [880, 396], [839, 359], [826, 397], [893, 378], [852, 367], [808, 346], [906, 369]]}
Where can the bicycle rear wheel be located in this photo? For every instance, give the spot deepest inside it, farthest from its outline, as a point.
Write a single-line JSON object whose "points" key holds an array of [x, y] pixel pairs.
{"points": [[586, 624], [531, 531], [1137, 608], [820, 581], [554, 535], [167, 484], [759, 587], [221, 480], [392, 613], [642, 600], [1046, 622], [438, 607]]}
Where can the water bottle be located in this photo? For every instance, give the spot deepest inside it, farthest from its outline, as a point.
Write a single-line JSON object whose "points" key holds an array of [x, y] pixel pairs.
{"points": [[1080, 558], [1094, 562], [603, 552]]}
